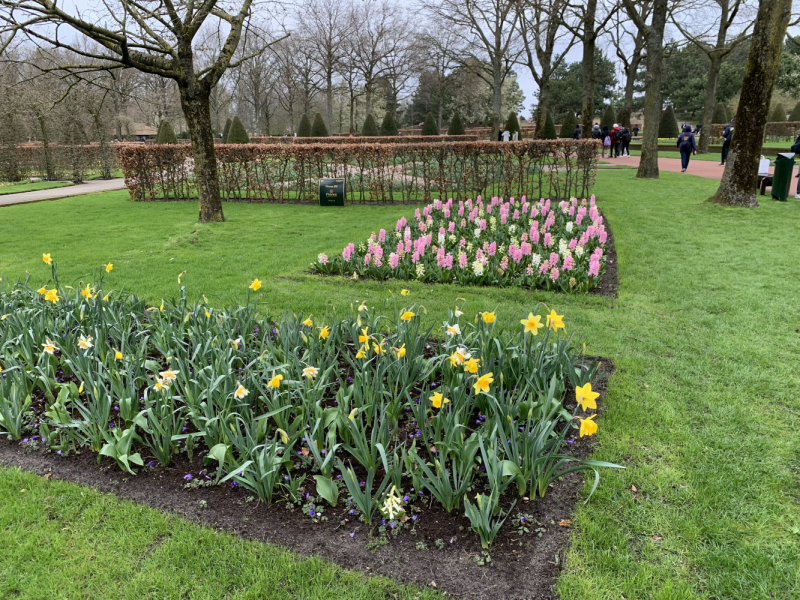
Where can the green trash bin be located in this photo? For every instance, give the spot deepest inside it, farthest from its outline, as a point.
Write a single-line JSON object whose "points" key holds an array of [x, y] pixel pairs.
{"points": [[782, 178]]}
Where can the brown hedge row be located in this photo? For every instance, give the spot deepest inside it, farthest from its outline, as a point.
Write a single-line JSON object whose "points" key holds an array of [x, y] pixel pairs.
{"points": [[388, 139], [373, 172], [66, 162]]}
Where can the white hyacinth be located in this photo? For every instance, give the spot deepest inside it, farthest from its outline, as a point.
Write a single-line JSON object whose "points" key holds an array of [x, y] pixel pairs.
{"points": [[536, 259], [578, 251], [569, 226], [420, 271], [477, 232], [477, 268]]}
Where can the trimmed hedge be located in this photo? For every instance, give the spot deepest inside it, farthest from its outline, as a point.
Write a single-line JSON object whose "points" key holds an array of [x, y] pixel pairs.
{"points": [[512, 123], [304, 128], [429, 127], [237, 133], [389, 125], [318, 128], [668, 126], [166, 134], [778, 114], [456, 127], [609, 118], [568, 126], [370, 129], [226, 130], [356, 139], [549, 132], [720, 116], [374, 172]]}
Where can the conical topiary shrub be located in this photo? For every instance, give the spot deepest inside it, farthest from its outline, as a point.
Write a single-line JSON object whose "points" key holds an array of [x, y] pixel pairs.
{"points": [[795, 114], [318, 128], [778, 114], [237, 133], [226, 130], [609, 118], [456, 127], [304, 129], [549, 128], [370, 127], [624, 117], [389, 124], [429, 127], [512, 123], [668, 127], [720, 116], [166, 134], [567, 125]]}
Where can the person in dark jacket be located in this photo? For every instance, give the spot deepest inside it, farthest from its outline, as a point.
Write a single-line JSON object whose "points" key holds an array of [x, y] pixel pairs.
{"points": [[635, 130], [687, 146], [576, 135], [626, 141], [616, 140], [500, 134], [796, 149], [727, 134], [596, 132]]}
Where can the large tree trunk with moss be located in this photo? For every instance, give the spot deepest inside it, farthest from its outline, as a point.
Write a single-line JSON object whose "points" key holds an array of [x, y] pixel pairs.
{"points": [[541, 110], [710, 103], [654, 43], [197, 111], [587, 65], [738, 185]]}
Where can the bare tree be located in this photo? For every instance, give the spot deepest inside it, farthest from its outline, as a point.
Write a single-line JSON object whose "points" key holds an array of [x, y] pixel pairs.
{"points": [[738, 185], [256, 81], [156, 38], [715, 18], [289, 94], [653, 33], [440, 46], [541, 26], [628, 41], [488, 27]]}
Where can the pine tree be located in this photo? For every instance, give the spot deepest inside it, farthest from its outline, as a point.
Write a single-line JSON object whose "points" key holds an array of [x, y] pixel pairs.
{"points": [[237, 133], [166, 134], [304, 129], [370, 128], [720, 116], [549, 128], [795, 114], [226, 130], [512, 123], [778, 114], [429, 127], [568, 125], [609, 118], [668, 127], [456, 127], [389, 124], [318, 128]]}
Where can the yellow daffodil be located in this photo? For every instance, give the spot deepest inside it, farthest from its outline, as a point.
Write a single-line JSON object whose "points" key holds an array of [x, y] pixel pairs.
{"points": [[3, 317], [555, 321], [105, 298], [324, 332], [208, 315], [159, 385], [51, 296], [117, 355], [310, 372], [42, 290], [407, 316], [588, 427], [404, 292], [454, 330], [471, 365], [352, 415], [86, 293], [284, 436], [162, 305], [532, 324], [308, 322], [458, 313], [109, 267], [46, 258], [240, 392], [378, 348], [488, 317], [483, 383], [586, 397], [50, 346], [362, 352], [275, 382], [169, 376], [401, 351], [438, 399], [364, 337], [362, 307], [457, 358], [235, 343], [1, 369], [256, 285], [85, 342]]}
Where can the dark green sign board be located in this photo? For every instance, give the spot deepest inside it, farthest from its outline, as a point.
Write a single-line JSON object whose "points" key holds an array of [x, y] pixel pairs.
{"points": [[331, 192]]}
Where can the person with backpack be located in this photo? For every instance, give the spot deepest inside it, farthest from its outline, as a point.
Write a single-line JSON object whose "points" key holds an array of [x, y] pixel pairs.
{"points": [[626, 141], [606, 138], [616, 140], [687, 146], [796, 149], [635, 131], [727, 134], [596, 132], [576, 135]]}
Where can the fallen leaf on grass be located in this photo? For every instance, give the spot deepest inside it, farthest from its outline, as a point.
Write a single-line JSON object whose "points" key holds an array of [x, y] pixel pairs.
{"points": [[47, 476], [564, 523], [633, 488]]}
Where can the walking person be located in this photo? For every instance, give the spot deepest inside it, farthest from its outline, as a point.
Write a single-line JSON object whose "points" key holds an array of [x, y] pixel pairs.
{"points": [[635, 130], [596, 132], [687, 146], [576, 135], [796, 149], [616, 140], [506, 135], [626, 141], [606, 142], [727, 134], [500, 133]]}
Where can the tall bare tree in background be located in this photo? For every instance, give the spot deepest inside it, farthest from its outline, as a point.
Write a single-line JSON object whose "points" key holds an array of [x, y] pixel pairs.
{"points": [[155, 38], [738, 185], [628, 42], [709, 31], [489, 30], [440, 47], [542, 28]]}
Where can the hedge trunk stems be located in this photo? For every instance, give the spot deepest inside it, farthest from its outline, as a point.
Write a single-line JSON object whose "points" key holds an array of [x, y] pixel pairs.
{"points": [[710, 103], [738, 185], [197, 111]]}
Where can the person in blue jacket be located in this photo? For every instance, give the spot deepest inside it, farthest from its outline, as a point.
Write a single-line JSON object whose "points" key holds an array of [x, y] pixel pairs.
{"points": [[687, 146]]}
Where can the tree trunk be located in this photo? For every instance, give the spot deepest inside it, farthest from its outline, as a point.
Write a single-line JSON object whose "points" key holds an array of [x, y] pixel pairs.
{"points": [[654, 40], [329, 98], [630, 79], [738, 185], [497, 90], [48, 154], [368, 98], [541, 110], [710, 102], [587, 65], [197, 112]]}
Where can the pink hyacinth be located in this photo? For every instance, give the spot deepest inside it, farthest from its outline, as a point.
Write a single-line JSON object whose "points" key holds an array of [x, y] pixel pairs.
{"points": [[579, 218], [378, 252], [503, 218], [548, 239], [408, 245], [492, 249], [571, 211], [382, 236], [572, 243], [462, 260], [594, 267], [367, 258], [482, 225], [394, 260], [463, 222], [378, 262], [534, 212], [448, 264], [446, 213], [568, 263], [553, 259], [400, 248], [422, 227], [451, 226], [603, 236], [516, 215], [525, 247], [598, 252], [524, 237], [584, 239], [554, 274], [437, 204], [415, 257], [544, 267], [347, 252], [417, 215], [535, 237]]}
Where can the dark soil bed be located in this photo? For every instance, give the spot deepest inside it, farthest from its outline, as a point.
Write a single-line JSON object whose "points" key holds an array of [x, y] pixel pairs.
{"points": [[522, 565]]}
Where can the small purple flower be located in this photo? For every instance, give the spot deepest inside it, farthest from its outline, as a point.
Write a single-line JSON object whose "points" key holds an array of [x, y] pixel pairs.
{"points": [[414, 518], [353, 534], [58, 452], [405, 498], [352, 512], [183, 429], [187, 477], [570, 441], [391, 524], [311, 511], [25, 441], [361, 483], [234, 484], [383, 521], [150, 463]]}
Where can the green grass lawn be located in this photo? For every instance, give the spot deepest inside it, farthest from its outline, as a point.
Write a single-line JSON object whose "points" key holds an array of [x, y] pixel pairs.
{"points": [[15, 188], [702, 409]]}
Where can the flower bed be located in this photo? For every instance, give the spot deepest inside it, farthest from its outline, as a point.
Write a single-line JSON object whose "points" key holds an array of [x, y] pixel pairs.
{"points": [[501, 243], [372, 409]]}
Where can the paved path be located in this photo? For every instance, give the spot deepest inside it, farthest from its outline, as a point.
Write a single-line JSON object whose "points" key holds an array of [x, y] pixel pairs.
{"points": [[90, 187], [701, 168]]}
